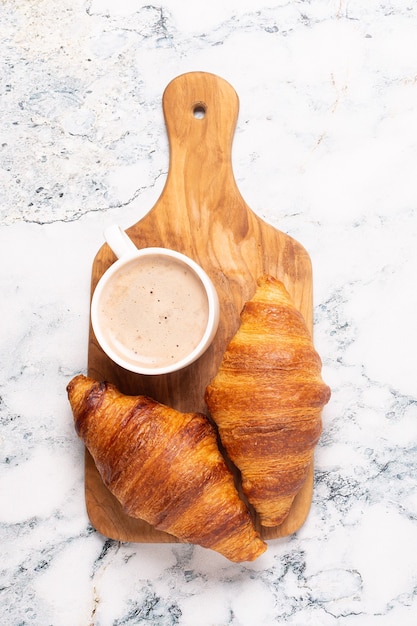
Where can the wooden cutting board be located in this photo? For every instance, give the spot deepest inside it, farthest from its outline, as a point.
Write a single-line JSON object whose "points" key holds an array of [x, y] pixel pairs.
{"points": [[201, 213]]}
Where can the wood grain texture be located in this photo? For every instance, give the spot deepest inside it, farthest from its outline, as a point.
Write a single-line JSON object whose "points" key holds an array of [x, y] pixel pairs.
{"points": [[202, 214]]}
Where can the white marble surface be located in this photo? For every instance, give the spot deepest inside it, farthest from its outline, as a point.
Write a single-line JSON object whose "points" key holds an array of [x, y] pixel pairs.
{"points": [[325, 149]]}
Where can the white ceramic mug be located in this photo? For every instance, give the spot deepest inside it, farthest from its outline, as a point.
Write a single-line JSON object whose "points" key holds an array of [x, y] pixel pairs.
{"points": [[155, 310]]}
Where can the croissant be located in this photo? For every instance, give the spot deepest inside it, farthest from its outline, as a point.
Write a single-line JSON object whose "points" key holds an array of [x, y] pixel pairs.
{"points": [[266, 400], [164, 467]]}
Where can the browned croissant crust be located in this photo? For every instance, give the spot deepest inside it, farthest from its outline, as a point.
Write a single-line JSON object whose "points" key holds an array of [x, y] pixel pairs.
{"points": [[164, 467], [267, 398]]}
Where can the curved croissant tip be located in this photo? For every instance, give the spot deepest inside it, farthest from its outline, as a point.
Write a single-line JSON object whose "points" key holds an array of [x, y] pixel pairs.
{"points": [[266, 279], [74, 381], [81, 384]]}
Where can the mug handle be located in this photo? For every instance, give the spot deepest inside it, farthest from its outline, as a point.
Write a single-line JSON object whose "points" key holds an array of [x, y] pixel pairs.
{"points": [[119, 241]]}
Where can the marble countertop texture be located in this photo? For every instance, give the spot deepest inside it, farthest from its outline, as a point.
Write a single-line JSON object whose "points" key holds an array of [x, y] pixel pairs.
{"points": [[325, 149]]}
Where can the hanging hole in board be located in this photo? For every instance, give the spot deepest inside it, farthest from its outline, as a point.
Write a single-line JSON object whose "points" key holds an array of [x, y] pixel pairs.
{"points": [[199, 111]]}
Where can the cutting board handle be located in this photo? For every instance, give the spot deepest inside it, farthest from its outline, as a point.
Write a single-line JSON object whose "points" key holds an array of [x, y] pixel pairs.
{"points": [[200, 112]]}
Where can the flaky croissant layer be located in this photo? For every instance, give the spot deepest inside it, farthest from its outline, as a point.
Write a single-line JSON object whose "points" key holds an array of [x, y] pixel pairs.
{"points": [[164, 467], [266, 400]]}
